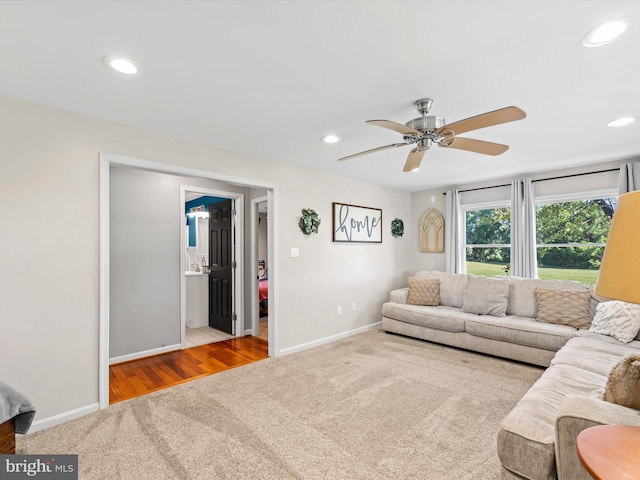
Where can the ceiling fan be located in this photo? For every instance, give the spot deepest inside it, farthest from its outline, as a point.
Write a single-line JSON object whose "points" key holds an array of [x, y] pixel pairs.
{"points": [[426, 130]]}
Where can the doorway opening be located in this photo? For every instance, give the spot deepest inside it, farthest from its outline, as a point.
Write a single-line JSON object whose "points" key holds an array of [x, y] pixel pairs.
{"points": [[246, 291], [260, 219], [212, 230]]}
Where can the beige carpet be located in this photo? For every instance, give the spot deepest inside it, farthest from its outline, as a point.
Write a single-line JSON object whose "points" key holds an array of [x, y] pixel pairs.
{"points": [[372, 406]]}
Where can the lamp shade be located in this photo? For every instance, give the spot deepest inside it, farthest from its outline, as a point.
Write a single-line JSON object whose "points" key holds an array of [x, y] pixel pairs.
{"points": [[619, 276]]}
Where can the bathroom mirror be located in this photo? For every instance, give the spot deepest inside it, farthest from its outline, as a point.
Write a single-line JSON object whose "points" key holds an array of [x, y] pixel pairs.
{"points": [[202, 236]]}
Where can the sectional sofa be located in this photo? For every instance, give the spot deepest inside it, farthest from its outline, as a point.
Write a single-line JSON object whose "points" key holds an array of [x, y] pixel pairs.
{"points": [[554, 324]]}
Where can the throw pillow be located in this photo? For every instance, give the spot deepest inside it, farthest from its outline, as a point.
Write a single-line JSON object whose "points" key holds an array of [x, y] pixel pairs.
{"points": [[486, 296], [424, 291], [623, 384], [564, 307], [620, 320]]}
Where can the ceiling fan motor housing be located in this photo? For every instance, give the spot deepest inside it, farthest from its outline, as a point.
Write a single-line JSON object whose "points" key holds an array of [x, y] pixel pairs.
{"points": [[427, 123]]}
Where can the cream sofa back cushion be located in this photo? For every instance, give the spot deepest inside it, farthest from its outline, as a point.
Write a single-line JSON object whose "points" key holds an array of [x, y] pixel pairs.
{"points": [[452, 286], [522, 300]]}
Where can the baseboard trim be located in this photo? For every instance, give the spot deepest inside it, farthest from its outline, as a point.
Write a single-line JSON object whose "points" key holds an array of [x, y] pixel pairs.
{"points": [[332, 338], [63, 417], [146, 353]]}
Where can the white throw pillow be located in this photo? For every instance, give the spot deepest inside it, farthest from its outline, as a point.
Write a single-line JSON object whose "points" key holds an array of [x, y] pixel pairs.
{"points": [[620, 320]]}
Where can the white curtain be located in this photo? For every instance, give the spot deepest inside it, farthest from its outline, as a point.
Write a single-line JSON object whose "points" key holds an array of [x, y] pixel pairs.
{"points": [[454, 234], [523, 229], [629, 178]]}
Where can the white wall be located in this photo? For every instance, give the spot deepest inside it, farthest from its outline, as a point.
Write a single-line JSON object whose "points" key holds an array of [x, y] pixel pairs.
{"points": [[420, 201], [49, 189]]}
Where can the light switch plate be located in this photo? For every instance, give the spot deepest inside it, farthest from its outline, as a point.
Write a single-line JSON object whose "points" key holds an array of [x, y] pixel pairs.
{"points": [[295, 252]]}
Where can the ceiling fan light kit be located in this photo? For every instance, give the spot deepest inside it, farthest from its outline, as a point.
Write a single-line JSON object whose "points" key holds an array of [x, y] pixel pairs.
{"points": [[426, 130]]}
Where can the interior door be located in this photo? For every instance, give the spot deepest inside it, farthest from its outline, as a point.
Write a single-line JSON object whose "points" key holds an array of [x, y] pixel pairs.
{"points": [[221, 314]]}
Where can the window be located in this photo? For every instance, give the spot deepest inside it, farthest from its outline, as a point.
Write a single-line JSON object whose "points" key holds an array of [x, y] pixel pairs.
{"points": [[571, 234], [488, 240]]}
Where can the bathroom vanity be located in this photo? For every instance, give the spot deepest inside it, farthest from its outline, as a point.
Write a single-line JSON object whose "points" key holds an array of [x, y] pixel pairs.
{"points": [[197, 299]]}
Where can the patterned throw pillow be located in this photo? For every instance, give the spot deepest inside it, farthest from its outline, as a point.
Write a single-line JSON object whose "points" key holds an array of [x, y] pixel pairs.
{"points": [[564, 307], [620, 320], [424, 291]]}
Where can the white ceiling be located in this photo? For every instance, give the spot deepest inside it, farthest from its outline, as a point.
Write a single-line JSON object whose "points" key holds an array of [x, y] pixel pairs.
{"points": [[269, 78]]}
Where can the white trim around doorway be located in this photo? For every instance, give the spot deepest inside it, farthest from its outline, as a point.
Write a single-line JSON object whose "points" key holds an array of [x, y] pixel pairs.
{"points": [[106, 161], [255, 315]]}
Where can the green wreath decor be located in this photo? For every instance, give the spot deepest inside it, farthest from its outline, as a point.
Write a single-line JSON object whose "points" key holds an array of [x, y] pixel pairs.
{"points": [[309, 221], [397, 227]]}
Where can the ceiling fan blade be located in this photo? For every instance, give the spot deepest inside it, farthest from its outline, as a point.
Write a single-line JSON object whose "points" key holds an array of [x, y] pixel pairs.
{"points": [[503, 115], [373, 150], [478, 146], [413, 160], [398, 127]]}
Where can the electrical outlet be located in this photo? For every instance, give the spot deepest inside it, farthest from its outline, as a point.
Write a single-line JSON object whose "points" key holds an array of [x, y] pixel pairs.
{"points": [[339, 310], [353, 306]]}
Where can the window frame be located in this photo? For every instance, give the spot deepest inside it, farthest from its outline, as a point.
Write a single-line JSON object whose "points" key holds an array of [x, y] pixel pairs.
{"points": [[571, 197], [490, 205]]}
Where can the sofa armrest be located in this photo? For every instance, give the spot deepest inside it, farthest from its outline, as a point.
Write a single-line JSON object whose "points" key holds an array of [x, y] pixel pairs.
{"points": [[577, 413], [399, 296]]}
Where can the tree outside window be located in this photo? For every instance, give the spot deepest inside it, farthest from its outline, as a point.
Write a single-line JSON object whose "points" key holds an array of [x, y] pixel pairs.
{"points": [[571, 237], [488, 241]]}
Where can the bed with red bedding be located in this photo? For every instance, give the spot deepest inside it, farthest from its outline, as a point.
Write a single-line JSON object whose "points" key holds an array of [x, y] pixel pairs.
{"points": [[263, 295]]}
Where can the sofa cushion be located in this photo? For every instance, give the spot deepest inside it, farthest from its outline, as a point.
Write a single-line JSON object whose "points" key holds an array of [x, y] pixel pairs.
{"points": [[424, 291], [451, 286], [564, 307], [441, 317], [620, 320], [522, 301], [526, 439], [520, 330], [593, 352], [399, 295], [485, 296]]}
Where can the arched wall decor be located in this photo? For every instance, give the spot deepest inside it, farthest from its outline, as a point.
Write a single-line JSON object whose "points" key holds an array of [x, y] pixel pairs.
{"points": [[432, 231]]}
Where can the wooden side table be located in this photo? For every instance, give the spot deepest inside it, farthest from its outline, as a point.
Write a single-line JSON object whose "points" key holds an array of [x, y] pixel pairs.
{"points": [[610, 452]]}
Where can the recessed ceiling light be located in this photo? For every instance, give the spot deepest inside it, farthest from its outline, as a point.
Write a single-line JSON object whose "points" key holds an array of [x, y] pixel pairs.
{"points": [[621, 122], [123, 65], [330, 138], [605, 33]]}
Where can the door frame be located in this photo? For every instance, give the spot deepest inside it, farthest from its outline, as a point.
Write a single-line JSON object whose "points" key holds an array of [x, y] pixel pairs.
{"points": [[255, 314], [237, 254], [106, 160]]}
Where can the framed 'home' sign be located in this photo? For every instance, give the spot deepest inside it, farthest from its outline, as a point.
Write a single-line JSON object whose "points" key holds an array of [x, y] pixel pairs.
{"points": [[352, 223]]}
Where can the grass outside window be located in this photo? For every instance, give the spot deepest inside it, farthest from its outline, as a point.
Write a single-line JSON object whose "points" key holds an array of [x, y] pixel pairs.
{"points": [[587, 277]]}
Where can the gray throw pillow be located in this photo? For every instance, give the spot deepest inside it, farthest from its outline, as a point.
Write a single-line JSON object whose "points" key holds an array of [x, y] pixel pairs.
{"points": [[486, 296]]}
